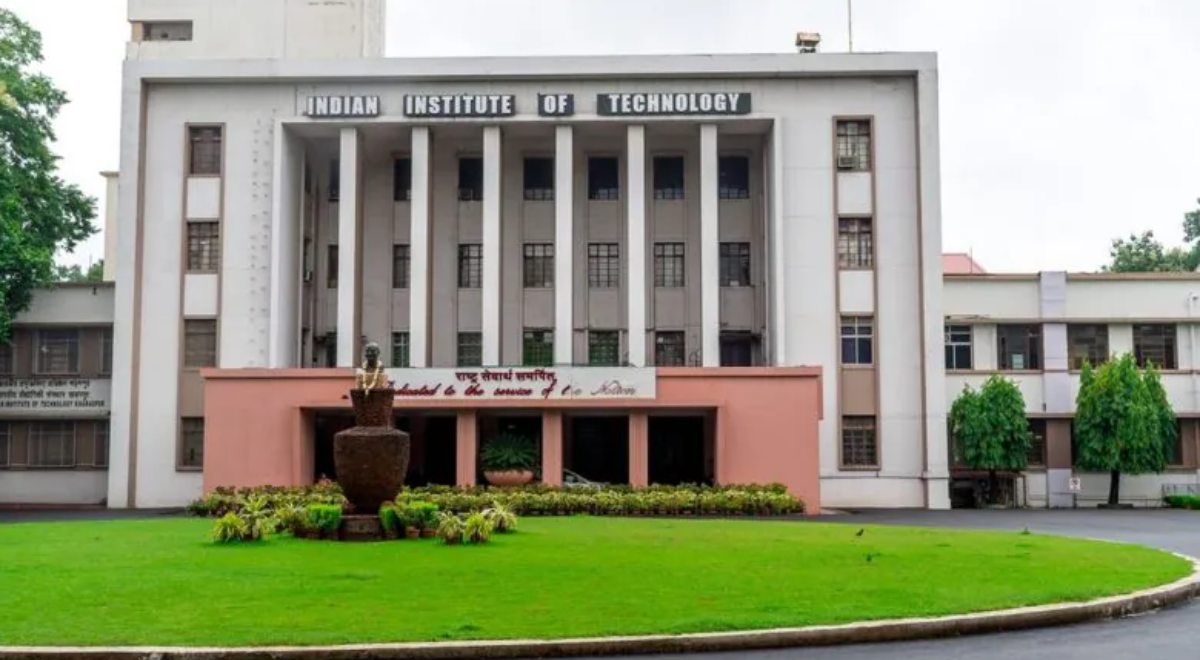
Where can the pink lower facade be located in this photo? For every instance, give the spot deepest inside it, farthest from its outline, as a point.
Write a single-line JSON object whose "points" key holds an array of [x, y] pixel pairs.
{"points": [[760, 425]]}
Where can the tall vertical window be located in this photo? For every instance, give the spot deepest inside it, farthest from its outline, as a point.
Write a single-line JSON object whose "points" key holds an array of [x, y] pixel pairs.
{"points": [[57, 352], [854, 145], [191, 443], [733, 177], [668, 264], [331, 267], [203, 246], [106, 350], [604, 265], [1154, 344], [604, 180], [668, 177], [100, 444], [400, 266], [1087, 342], [470, 266], [335, 180], [537, 348], [1036, 456], [5, 443], [538, 266], [470, 179], [855, 243], [860, 449], [330, 345], [6, 358], [604, 348], [470, 349], [200, 343], [958, 346], [669, 348], [737, 349], [1019, 346], [539, 179], [735, 264], [204, 150], [858, 340], [51, 444], [402, 180], [400, 349]]}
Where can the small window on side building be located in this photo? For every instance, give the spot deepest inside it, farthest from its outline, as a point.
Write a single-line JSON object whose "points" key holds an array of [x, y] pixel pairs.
{"points": [[191, 443], [734, 264], [860, 449], [858, 340], [1019, 346], [958, 347], [1087, 343], [1154, 343], [57, 352]]}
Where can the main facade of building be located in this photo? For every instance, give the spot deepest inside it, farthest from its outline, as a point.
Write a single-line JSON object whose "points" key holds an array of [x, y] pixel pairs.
{"points": [[662, 268]]}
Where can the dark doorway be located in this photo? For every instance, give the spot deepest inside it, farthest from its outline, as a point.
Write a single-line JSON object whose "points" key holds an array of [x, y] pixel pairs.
{"points": [[597, 448], [681, 450], [434, 455]]}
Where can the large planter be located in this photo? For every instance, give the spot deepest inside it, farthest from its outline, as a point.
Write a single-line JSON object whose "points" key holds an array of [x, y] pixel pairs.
{"points": [[508, 477], [371, 458]]}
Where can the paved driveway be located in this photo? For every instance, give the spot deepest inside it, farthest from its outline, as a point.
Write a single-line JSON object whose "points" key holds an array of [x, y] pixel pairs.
{"points": [[1169, 634]]}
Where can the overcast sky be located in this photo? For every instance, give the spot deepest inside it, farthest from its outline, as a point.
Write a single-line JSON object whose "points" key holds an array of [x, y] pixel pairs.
{"points": [[1064, 122]]}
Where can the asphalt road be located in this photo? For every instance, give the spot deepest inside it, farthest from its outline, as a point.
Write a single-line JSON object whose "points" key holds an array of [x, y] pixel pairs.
{"points": [[1167, 634]]}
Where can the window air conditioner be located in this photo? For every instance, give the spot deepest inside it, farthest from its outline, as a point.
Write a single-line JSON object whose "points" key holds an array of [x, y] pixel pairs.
{"points": [[847, 162]]}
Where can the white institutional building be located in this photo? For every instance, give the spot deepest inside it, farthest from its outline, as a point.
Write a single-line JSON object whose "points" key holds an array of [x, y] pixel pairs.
{"points": [[704, 231]]}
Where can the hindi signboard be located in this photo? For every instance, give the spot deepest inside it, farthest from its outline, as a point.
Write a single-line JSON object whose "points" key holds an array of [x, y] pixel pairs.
{"points": [[524, 383], [57, 397]]}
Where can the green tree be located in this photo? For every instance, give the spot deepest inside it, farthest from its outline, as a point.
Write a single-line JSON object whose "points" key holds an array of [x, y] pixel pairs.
{"points": [[989, 428], [1123, 421], [74, 273], [1144, 254], [40, 214]]}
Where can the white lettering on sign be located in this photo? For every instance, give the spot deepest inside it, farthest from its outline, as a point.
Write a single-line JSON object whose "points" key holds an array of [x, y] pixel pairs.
{"points": [[330, 107], [673, 103], [529, 383], [460, 105], [21, 397]]}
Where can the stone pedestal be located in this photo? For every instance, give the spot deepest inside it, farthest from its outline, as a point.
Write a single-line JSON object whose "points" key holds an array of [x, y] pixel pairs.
{"points": [[360, 528]]}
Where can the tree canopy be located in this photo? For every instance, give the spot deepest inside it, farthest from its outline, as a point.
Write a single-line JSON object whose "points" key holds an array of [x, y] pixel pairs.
{"points": [[40, 213], [76, 273], [989, 427], [1143, 253]]}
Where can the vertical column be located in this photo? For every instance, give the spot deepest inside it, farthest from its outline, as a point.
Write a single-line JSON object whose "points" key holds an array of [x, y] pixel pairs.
{"points": [[775, 243], [564, 218], [466, 448], [491, 245], [286, 202], [348, 319], [635, 157], [639, 449], [710, 301], [552, 445], [419, 252]]}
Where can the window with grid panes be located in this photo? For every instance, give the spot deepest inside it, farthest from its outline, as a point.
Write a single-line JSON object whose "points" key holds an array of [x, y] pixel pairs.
{"points": [[668, 177], [1036, 456], [538, 266], [539, 179], [604, 265], [51, 444], [854, 145], [470, 266], [200, 343], [537, 348], [604, 348], [668, 264], [331, 267], [669, 350], [735, 264], [100, 444], [859, 447], [400, 266], [1154, 344], [191, 442], [6, 358], [470, 349], [1019, 346], [402, 180], [106, 351], [57, 351], [5, 442], [604, 180], [855, 243], [203, 246], [858, 340], [733, 177], [1087, 342], [958, 346], [205, 151], [470, 179], [400, 349]]}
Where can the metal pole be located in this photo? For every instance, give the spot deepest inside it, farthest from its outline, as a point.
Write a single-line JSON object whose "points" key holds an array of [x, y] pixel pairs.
{"points": [[850, 22]]}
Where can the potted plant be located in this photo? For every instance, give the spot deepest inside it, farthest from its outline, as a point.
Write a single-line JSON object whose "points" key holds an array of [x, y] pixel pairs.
{"points": [[450, 528], [508, 459], [426, 515], [389, 519], [409, 520]]}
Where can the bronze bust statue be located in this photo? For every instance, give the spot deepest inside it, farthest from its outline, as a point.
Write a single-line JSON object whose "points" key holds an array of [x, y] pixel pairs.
{"points": [[371, 375]]}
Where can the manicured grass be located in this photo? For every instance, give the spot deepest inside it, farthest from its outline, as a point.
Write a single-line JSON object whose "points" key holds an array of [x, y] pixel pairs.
{"points": [[161, 582]]}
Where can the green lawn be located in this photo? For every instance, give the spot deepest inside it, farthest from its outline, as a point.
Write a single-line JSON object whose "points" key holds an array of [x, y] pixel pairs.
{"points": [[161, 582]]}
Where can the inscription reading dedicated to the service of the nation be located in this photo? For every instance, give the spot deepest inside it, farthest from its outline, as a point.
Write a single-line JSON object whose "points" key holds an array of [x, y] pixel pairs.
{"points": [[673, 103]]}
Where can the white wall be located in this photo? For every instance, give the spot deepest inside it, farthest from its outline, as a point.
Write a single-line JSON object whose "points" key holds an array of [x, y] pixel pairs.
{"points": [[74, 304], [53, 486]]}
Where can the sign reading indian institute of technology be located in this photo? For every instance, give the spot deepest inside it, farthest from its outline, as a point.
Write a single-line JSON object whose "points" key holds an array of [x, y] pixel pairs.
{"points": [[672, 103], [524, 383], [54, 396], [460, 105]]}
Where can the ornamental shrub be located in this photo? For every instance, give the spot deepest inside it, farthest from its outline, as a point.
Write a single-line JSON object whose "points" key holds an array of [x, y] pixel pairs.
{"points": [[450, 528], [990, 430], [230, 528], [325, 517], [477, 528]]}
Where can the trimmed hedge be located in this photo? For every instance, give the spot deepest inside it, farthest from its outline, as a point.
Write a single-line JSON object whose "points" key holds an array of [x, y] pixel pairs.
{"points": [[1183, 502], [534, 500]]}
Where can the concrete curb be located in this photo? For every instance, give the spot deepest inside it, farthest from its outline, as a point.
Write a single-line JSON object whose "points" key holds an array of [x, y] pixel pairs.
{"points": [[889, 630]]}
